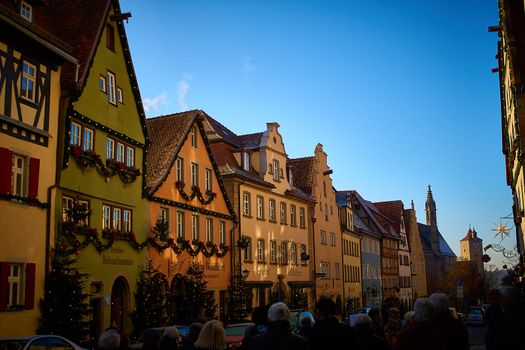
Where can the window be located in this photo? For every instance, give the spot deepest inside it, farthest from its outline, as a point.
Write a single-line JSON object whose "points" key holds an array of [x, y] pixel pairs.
{"points": [[271, 212], [208, 179], [324, 188], [293, 253], [194, 227], [275, 170], [27, 87], [284, 252], [194, 168], [116, 219], [126, 220], [67, 204], [337, 271], [26, 11], [332, 239], [260, 250], [102, 83], [283, 213], [164, 214], [110, 148], [209, 230], [222, 232], [106, 217], [323, 237], [87, 139], [260, 207], [75, 135], [111, 88], [248, 250], [179, 170], [326, 212], [120, 152], [18, 175], [302, 219], [245, 161], [110, 37], [246, 204], [293, 220], [130, 157], [81, 136], [273, 252], [193, 135], [303, 250], [180, 224], [325, 268], [14, 281], [120, 96]]}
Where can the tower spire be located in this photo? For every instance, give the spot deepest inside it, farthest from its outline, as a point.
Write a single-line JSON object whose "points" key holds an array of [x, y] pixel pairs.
{"points": [[430, 207]]}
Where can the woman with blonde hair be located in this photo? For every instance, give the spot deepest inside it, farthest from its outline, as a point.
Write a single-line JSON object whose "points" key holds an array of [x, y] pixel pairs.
{"points": [[211, 337]]}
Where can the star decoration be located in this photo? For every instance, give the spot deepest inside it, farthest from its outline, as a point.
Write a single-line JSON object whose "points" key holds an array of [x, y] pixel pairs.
{"points": [[501, 230]]}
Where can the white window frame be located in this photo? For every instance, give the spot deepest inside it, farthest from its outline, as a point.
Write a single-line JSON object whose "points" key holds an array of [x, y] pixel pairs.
{"points": [[194, 227], [180, 224], [271, 211], [284, 252], [120, 96], [260, 250], [222, 232], [15, 283], [179, 169], [275, 170], [193, 137], [293, 217], [248, 250], [130, 157], [333, 242], [75, 136], [209, 230], [112, 85], [273, 251], [208, 183], [19, 175], [323, 237], [126, 220], [87, 139], [106, 217], [194, 174], [116, 219], [282, 212], [293, 253], [28, 82], [302, 219], [260, 207], [102, 83], [245, 161], [246, 203], [26, 11], [110, 148], [120, 152]]}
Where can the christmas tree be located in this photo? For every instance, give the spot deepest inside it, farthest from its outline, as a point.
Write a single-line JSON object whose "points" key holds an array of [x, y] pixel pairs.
{"points": [[65, 308], [150, 299], [238, 300]]}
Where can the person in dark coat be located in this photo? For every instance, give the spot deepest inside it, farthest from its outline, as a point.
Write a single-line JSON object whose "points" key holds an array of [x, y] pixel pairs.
{"points": [[328, 332], [365, 337], [510, 334], [260, 318], [377, 322], [421, 335], [279, 335], [170, 339], [493, 316], [193, 334], [451, 330]]}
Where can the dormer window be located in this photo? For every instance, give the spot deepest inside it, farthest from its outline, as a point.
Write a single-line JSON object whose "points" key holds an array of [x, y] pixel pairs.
{"points": [[275, 170], [245, 161], [290, 176], [26, 11]]}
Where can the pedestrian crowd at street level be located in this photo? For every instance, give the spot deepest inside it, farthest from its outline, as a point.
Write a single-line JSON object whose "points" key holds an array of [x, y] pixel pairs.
{"points": [[430, 326]]}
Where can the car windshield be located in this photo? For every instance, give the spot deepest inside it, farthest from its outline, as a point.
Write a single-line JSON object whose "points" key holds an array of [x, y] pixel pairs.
{"points": [[12, 344], [235, 330], [475, 311]]}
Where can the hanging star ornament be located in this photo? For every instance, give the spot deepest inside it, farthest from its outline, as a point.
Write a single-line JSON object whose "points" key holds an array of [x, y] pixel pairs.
{"points": [[501, 230]]}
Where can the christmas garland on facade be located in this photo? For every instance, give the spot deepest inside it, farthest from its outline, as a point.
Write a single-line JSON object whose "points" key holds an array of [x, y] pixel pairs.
{"points": [[90, 159], [28, 200], [194, 247], [195, 192]]}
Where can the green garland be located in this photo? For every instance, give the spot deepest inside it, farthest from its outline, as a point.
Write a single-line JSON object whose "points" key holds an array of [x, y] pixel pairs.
{"points": [[28, 200], [195, 192]]}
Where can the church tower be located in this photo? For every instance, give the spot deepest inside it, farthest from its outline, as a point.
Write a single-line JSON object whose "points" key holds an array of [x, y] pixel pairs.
{"points": [[430, 207], [471, 247]]}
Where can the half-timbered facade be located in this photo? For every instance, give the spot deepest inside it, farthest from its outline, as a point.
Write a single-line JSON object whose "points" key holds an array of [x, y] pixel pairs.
{"points": [[31, 60]]}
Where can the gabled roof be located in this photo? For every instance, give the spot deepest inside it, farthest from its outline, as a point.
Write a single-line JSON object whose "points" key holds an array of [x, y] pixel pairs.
{"points": [[366, 222], [167, 136], [303, 172], [342, 198], [393, 210], [471, 234], [250, 141], [215, 131], [425, 232]]}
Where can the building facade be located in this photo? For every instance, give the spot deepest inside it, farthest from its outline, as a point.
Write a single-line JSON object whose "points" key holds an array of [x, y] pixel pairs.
{"points": [[418, 269], [471, 249], [31, 63]]}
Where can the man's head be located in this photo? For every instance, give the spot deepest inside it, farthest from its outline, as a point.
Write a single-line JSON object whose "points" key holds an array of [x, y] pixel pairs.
{"points": [[440, 301], [423, 310], [278, 312]]}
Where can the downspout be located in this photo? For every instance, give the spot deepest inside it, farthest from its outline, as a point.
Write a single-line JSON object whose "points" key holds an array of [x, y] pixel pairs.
{"points": [[313, 220]]}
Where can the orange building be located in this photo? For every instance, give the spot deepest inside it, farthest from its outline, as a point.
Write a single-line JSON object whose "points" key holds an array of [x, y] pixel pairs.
{"points": [[186, 194]]}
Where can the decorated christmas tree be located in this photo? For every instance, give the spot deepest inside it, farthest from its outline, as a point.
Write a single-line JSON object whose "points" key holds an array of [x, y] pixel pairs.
{"points": [[238, 297], [150, 299], [65, 308]]}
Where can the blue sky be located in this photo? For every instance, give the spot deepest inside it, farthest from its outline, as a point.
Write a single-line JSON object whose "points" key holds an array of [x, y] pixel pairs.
{"points": [[400, 93]]}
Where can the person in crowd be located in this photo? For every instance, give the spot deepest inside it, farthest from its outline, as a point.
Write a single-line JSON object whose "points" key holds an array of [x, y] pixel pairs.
{"points": [[260, 318], [328, 331], [392, 327], [124, 341], [279, 335], [509, 334], [109, 340], [151, 340], [451, 330], [493, 316], [304, 326], [421, 335], [365, 337], [211, 337], [377, 322], [408, 319], [170, 339], [193, 334]]}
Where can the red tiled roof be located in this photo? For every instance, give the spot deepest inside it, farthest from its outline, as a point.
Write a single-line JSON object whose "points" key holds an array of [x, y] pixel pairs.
{"points": [[249, 141], [471, 234], [303, 173], [167, 134], [393, 210]]}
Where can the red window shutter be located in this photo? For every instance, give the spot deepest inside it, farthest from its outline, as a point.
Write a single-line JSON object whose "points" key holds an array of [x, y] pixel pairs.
{"points": [[30, 286], [6, 160], [34, 171], [4, 285]]}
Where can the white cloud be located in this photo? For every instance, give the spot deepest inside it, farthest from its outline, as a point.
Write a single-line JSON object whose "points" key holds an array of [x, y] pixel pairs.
{"points": [[154, 104], [247, 67], [183, 87]]}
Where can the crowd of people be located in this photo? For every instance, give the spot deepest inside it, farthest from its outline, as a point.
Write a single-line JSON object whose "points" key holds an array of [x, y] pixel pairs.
{"points": [[429, 326]]}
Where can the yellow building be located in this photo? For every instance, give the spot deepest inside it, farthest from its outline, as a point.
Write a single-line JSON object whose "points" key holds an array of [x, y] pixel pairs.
{"points": [[273, 227], [351, 245], [31, 61], [417, 256], [313, 177], [186, 192]]}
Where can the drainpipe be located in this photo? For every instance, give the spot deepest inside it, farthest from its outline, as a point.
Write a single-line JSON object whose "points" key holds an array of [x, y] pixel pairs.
{"points": [[49, 217], [313, 220]]}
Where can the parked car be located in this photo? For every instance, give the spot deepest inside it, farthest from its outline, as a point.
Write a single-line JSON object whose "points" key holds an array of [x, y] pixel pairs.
{"points": [[475, 315], [38, 342], [235, 333], [353, 313], [295, 316]]}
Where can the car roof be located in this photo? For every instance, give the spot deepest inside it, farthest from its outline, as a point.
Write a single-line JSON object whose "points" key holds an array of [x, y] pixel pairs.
{"points": [[242, 324]]}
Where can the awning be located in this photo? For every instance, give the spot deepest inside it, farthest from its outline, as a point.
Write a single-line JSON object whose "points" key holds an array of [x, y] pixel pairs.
{"points": [[301, 284], [259, 284]]}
